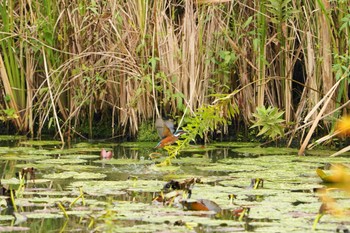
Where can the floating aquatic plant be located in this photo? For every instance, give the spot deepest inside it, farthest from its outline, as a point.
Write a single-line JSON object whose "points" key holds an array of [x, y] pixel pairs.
{"points": [[120, 191]]}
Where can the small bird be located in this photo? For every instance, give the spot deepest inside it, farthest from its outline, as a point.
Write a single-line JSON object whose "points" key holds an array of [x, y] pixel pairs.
{"points": [[165, 130], [201, 205], [106, 154]]}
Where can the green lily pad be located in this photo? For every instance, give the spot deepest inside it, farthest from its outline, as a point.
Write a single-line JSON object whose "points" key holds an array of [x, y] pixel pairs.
{"points": [[13, 229], [79, 213], [93, 146], [147, 228], [84, 145], [75, 175], [12, 137], [40, 143], [80, 156], [266, 151], [166, 215], [85, 149], [4, 150], [6, 218], [61, 152], [15, 181], [118, 187], [179, 177], [62, 161], [124, 161], [47, 193], [22, 157], [73, 150], [164, 168], [42, 166], [101, 187], [34, 151], [19, 150], [192, 161], [230, 168], [43, 215], [139, 144], [79, 167], [50, 201], [235, 144], [198, 149]]}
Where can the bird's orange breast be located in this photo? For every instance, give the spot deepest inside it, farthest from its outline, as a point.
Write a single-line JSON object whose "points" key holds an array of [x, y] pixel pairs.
{"points": [[166, 141]]}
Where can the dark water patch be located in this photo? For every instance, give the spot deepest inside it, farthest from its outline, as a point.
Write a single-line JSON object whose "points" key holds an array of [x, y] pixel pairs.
{"points": [[302, 190], [296, 203], [254, 198]]}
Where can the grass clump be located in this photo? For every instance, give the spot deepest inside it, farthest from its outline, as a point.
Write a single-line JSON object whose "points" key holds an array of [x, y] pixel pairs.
{"points": [[147, 133]]}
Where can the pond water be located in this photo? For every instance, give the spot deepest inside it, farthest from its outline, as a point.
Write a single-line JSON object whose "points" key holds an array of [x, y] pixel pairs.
{"points": [[75, 191]]}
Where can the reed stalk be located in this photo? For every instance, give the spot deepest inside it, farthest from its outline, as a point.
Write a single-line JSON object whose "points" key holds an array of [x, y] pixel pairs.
{"points": [[262, 28]]}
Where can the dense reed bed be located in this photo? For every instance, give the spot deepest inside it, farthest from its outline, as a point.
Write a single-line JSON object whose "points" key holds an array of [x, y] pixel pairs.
{"points": [[66, 65]]}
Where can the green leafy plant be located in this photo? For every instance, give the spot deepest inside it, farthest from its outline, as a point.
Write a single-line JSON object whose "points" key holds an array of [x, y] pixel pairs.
{"points": [[206, 119], [8, 114], [147, 133], [269, 121]]}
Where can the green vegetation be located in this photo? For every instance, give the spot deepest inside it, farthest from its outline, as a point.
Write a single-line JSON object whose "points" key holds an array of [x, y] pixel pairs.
{"points": [[207, 119], [269, 121], [147, 133], [90, 69]]}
